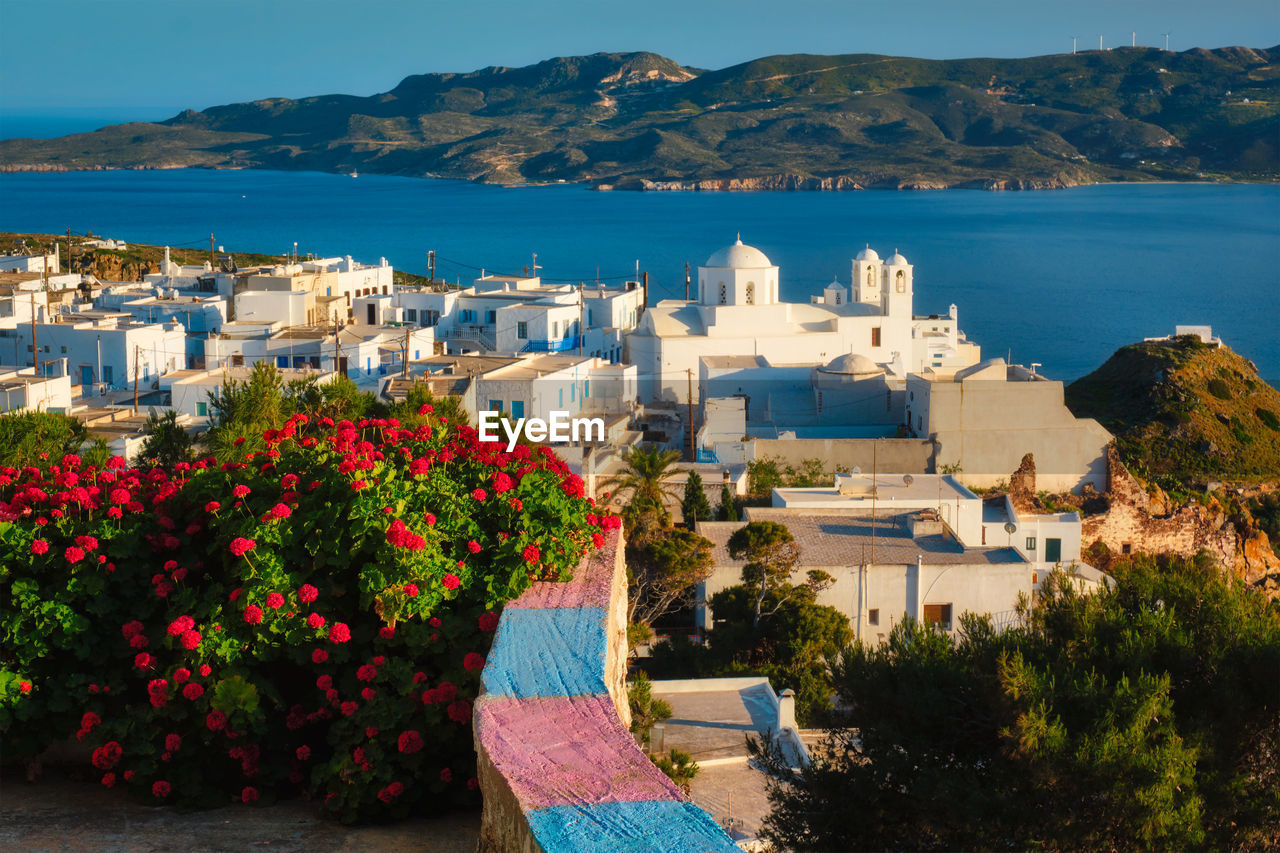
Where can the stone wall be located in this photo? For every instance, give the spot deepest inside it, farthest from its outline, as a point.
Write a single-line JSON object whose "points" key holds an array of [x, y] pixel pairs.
{"points": [[558, 768], [899, 455], [1133, 519]]}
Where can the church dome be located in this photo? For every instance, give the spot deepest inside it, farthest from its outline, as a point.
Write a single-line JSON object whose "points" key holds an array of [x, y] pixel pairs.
{"points": [[739, 256], [868, 254], [897, 260], [853, 364]]}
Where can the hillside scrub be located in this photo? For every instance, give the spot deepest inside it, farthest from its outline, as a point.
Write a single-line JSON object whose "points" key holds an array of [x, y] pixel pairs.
{"points": [[310, 619]]}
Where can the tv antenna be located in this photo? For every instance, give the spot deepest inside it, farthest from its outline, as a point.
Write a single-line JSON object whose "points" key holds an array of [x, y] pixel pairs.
{"points": [[534, 269]]}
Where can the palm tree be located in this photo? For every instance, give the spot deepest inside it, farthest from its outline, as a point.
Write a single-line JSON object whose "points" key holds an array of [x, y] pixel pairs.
{"points": [[646, 481], [647, 475]]}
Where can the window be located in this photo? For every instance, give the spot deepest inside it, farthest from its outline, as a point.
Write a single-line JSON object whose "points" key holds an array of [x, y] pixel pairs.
{"points": [[202, 410], [873, 616], [900, 284], [560, 402], [107, 373], [411, 315], [724, 294], [491, 316], [522, 330], [1126, 548], [237, 360], [938, 614], [888, 400], [430, 318], [586, 389], [590, 317], [495, 405], [517, 409], [751, 293], [871, 277], [64, 350], [875, 336], [1031, 543], [573, 392]]}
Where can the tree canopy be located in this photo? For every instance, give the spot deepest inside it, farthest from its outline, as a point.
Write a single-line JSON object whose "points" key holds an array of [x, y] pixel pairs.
{"points": [[1143, 717]]}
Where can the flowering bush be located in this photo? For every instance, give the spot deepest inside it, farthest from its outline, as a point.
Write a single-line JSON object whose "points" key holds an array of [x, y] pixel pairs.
{"points": [[310, 620]]}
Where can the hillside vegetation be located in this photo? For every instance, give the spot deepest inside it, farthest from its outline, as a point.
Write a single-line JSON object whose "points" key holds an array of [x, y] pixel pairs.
{"points": [[797, 121], [1185, 411]]}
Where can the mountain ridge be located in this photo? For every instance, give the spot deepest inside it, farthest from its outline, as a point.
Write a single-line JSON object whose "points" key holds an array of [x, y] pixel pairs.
{"points": [[801, 121]]}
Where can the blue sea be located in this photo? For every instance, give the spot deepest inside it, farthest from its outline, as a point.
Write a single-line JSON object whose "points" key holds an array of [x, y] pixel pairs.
{"points": [[1062, 278]]}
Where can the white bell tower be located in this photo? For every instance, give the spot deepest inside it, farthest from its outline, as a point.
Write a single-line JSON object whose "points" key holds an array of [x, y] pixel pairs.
{"points": [[866, 271]]}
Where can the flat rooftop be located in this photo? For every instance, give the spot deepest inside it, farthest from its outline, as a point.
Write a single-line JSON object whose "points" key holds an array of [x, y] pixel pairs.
{"points": [[848, 539], [858, 489], [531, 368]]}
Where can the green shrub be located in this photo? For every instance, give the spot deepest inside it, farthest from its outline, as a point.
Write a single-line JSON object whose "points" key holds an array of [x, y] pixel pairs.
{"points": [[1219, 389], [1269, 418]]}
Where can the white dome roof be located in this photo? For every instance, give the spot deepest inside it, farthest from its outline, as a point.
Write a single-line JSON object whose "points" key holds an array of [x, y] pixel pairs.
{"points": [[868, 254], [739, 256], [854, 364], [897, 260]]}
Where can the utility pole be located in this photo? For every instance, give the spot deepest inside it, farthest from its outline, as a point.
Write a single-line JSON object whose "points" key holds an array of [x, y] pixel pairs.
{"points": [[35, 346], [875, 444], [404, 371], [337, 360], [581, 327], [644, 284], [431, 266], [137, 350], [686, 281], [693, 456], [213, 262]]}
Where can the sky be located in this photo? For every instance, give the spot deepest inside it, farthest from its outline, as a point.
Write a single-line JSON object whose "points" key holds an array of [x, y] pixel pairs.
{"points": [[148, 59]]}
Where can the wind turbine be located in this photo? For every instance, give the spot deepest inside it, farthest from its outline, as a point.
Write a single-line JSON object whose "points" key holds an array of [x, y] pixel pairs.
{"points": [[1133, 38], [1073, 45], [1166, 41]]}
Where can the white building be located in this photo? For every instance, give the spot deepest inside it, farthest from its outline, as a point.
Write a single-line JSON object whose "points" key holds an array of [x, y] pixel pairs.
{"points": [[102, 349], [885, 568], [516, 314], [190, 390], [359, 351], [24, 390], [50, 262], [536, 385], [984, 418], [739, 313]]}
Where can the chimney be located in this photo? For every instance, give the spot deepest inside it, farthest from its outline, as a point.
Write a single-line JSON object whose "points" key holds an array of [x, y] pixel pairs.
{"points": [[787, 709]]}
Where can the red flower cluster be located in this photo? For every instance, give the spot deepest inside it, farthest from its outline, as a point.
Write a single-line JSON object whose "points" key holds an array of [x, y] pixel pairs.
{"points": [[410, 742], [401, 537], [241, 546]]}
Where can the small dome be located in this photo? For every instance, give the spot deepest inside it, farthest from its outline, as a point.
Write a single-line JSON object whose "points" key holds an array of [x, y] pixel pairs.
{"points": [[868, 254], [853, 364], [739, 256], [897, 260], [835, 284]]}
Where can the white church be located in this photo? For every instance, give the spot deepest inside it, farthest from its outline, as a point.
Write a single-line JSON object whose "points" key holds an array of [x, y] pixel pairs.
{"points": [[739, 313]]}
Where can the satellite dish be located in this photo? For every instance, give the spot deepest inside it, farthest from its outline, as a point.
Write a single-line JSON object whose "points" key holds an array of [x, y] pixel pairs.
{"points": [[907, 479], [855, 470], [1010, 528]]}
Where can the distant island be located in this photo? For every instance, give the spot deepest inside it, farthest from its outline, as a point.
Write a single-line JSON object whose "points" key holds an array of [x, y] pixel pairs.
{"points": [[642, 121]]}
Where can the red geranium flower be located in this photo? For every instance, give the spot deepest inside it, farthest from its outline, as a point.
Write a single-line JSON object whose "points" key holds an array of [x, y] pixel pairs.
{"points": [[451, 582], [460, 711], [73, 554], [479, 494], [308, 593], [216, 721], [472, 662], [275, 600], [193, 691], [531, 554], [173, 742], [339, 633], [411, 590], [240, 491], [240, 546], [253, 614], [488, 621], [319, 656], [315, 620], [160, 789], [190, 640], [303, 752], [248, 795], [410, 742]]}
